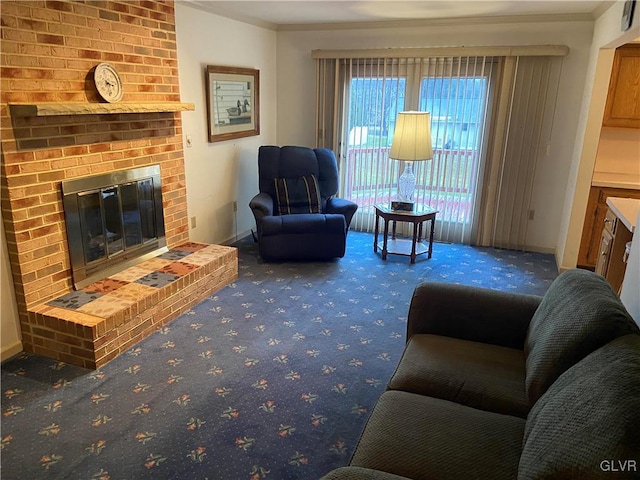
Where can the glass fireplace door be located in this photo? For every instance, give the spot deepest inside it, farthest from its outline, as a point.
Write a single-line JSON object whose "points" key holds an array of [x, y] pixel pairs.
{"points": [[111, 220]]}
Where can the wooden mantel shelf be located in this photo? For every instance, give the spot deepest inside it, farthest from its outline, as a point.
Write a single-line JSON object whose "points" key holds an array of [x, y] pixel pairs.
{"points": [[51, 109]]}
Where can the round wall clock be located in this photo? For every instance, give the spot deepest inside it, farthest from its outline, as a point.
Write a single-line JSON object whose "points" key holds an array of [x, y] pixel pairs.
{"points": [[108, 82]]}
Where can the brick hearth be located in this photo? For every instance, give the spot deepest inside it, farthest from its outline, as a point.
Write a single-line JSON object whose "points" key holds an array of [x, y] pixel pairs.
{"points": [[91, 326]]}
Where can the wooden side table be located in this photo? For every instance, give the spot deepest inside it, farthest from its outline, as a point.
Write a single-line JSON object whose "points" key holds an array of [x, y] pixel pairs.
{"points": [[405, 247]]}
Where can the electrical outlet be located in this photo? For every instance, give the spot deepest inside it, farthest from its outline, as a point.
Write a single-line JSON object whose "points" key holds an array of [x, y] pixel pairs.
{"points": [[235, 206], [193, 222]]}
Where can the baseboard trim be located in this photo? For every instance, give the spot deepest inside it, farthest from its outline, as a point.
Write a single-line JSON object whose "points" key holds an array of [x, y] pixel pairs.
{"points": [[11, 351], [549, 251], [235, 238]]}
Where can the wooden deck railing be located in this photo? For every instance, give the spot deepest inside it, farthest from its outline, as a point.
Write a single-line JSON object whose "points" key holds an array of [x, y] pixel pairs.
{"points": [[443, 183]]}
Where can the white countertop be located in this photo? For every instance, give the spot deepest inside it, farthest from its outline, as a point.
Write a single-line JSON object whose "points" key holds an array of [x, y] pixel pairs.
{"points": [[626, 209], [616, 180]]}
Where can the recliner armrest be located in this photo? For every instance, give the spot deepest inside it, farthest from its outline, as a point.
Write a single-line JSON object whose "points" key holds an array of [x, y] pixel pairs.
{"points": [[342, 206], [262, 203], [471, 313]]}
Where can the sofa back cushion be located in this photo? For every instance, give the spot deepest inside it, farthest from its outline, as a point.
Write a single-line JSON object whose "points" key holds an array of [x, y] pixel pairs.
{"points": [[587, 423], [579, 313]]}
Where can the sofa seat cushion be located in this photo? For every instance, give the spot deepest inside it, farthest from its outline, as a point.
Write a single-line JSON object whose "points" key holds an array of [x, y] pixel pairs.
{"points": [[589, 419], [579, 314], [427, 438], [304, 224], [480, 375]]}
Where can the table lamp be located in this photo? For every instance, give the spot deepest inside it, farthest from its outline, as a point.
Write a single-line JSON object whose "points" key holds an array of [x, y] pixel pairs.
{"points": [[411, 143]]}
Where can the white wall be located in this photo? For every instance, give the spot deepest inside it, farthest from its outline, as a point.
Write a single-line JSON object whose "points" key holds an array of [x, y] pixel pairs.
{"points": [[9, 323], [618, 151], [296, 92], [606, 37], [217, 174]]}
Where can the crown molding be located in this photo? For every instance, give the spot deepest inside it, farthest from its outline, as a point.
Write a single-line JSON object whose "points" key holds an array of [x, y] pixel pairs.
{"points": [[418, 23]]}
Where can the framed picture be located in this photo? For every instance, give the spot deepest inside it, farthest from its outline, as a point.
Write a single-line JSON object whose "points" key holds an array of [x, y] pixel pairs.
{"points": [[233, 102]]}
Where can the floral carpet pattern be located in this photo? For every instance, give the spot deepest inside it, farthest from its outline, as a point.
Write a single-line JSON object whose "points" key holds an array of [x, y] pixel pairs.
{"points": [[273, 377]]}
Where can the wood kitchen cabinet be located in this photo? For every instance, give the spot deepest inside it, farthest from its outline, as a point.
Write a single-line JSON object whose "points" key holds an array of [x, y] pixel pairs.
{"points": [[606, 241], [613, 242], [594, 222], [623, 98]]}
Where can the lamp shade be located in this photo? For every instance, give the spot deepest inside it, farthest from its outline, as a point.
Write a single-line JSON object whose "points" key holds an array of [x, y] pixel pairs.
{"points": [[412, 137]]}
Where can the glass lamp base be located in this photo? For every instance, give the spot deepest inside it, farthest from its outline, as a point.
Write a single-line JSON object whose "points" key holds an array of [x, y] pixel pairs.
{"points": [[407, 184]]}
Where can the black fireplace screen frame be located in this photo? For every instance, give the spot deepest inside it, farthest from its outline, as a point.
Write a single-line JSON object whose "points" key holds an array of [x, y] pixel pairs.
{"points": [[113, 221]]}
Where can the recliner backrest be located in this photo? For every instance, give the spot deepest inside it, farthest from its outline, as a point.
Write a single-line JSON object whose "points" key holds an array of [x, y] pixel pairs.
{"points": [[293, 162]]}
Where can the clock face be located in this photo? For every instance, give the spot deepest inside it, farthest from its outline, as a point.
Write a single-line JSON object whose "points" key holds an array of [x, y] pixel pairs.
{"points": [[108, 83]]}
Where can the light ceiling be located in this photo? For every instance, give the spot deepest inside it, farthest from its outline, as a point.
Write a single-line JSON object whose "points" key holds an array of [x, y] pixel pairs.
{"points": [[296, 13]]}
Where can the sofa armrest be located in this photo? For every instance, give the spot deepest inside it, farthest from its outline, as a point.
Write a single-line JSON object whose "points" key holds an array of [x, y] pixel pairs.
{"points": [[359, 473], [471, 313], [343, 206]]}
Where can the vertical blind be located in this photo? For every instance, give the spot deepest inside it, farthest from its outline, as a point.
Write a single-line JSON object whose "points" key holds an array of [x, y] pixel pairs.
{"points": [[530, 100], [489, 115]]}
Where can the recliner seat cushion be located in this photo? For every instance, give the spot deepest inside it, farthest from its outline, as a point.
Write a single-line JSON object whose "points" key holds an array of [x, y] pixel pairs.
{"points": [[427, 438], [305, 236], [579, 314], [590, 415], [304, 223], [480, 375]]}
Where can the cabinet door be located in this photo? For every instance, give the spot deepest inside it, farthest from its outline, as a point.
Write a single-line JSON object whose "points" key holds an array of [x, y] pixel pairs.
{"points": [[623, 98], [599, 220], [604, 253]]}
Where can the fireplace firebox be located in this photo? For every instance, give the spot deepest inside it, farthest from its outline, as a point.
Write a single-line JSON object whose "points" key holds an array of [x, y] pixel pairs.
{"points": [[114, 221]]}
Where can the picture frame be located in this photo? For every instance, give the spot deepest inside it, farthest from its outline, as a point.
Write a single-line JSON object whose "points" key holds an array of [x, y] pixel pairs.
{"points": [[233, 102]]}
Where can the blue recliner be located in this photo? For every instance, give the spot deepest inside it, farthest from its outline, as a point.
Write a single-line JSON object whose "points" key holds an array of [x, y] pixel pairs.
{"points": [[297, 214]]}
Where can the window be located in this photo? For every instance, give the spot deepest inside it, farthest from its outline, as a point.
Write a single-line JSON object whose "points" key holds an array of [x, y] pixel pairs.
{"points": [[492, 112], [374, 104], [455, 92]]}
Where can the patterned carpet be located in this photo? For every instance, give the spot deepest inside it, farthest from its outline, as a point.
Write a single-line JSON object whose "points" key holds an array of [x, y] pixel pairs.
{"points": [[271, 378]]}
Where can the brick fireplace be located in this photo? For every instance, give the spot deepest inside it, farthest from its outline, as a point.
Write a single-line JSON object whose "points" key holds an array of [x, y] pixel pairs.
{"points": [[49, 49]]}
